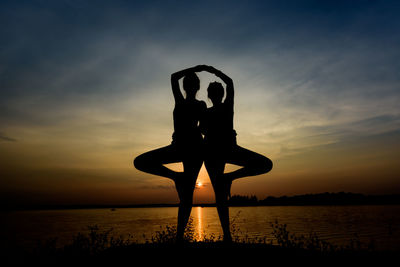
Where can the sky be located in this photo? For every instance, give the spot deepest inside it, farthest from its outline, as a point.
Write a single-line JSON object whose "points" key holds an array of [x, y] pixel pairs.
{"points": [[85, 88]]}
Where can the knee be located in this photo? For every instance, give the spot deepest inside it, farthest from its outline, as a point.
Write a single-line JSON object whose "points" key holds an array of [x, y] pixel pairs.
{"points": [[266, 165], [263, 165], [141, 162]]}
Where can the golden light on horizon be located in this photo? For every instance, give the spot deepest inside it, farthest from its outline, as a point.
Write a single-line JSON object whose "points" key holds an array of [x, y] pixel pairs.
{"points": [[203, 178]]}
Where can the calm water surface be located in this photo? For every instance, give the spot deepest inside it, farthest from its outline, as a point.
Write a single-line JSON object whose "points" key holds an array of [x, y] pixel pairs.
{"points": [[336, 224]]}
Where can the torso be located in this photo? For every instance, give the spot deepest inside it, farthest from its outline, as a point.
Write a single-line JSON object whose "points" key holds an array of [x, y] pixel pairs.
{"points": [[186, 122], [218, 126]]}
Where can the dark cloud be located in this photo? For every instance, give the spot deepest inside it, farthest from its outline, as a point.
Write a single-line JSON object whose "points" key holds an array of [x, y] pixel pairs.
{"points": [[3, 137], [59, 56], [157, 187], [321, 72], [66, 47]]}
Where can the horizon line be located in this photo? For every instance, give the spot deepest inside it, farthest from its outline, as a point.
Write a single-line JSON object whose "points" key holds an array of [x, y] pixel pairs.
{"points": [[241, 200]]}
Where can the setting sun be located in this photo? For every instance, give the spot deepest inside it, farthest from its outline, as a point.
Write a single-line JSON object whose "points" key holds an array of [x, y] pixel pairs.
{"points": [[123, 136]]}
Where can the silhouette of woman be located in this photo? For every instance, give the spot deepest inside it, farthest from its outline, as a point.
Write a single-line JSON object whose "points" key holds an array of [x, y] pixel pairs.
{"points": [[221, 147], [186, 146]]}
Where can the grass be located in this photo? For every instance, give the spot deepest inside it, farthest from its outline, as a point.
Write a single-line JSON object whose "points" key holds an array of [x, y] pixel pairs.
{"points": [[101, 246]]}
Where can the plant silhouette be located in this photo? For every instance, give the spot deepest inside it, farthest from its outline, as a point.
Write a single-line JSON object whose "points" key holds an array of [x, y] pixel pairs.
{"points": [[192, 121]]}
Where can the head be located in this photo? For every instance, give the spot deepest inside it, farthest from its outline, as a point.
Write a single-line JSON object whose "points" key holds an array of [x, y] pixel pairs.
{"points": [[191, 84], [215, 92]]}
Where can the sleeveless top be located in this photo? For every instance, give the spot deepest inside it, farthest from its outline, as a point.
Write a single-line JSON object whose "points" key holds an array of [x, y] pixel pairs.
{"points": [[186, 124], [217, 127]]}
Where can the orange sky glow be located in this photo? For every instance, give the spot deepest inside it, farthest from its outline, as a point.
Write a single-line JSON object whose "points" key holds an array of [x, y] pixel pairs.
{"points": [[83, 91]]}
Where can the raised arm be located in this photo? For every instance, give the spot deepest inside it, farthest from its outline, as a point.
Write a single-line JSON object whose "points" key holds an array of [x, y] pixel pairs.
{"points": [[175, 77], [227, 80]]}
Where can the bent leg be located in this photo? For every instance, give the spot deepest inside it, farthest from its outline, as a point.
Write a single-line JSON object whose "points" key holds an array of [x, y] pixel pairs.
{"points": [[152, 161], [252, 163]]}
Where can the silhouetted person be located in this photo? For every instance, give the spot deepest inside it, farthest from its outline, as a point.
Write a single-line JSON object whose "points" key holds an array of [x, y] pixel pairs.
{"points": [[221, 147], [186, 146]]}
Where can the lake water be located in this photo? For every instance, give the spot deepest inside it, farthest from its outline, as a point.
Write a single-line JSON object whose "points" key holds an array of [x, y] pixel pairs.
{"points": [[336, 224]]}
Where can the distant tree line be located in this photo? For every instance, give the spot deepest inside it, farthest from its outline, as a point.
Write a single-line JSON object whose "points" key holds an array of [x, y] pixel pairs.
{"points": [[237, 200], [340, 198]]}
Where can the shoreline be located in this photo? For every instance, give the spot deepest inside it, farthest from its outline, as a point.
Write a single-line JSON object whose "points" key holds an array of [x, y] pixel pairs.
{"points": [[323, 199], [115, 207]]}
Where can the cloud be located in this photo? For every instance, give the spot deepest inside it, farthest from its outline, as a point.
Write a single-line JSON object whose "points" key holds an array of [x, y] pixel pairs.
{"points": [[6, 138], [110, 65], [88, 85], [157, 187]]}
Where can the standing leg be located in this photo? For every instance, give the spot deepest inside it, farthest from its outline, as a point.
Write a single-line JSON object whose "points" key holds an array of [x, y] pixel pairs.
{"points": [[185, 188], [215, 169], [152, 162], [252, 164]]}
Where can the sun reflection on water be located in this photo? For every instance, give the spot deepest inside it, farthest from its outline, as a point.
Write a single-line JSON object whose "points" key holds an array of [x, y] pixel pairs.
{"points": [[200, 223]]}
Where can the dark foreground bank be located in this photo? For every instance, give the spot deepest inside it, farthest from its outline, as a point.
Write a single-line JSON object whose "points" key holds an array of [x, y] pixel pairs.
{"points": [[197, 253], [101, 247]]}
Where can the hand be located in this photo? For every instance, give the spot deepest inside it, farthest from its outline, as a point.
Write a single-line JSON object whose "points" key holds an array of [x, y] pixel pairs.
{"points": [[211, 69], [207, 68], [199, 68]]}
